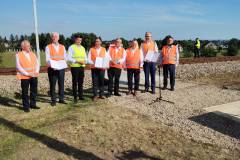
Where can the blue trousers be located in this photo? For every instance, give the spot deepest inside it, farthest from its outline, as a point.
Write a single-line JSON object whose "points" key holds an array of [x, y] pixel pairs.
{"points": [[150, 69], [169, 69]]}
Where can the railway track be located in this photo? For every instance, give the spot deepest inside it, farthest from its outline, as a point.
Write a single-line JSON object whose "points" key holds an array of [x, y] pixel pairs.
{"points": [[12, 71]]}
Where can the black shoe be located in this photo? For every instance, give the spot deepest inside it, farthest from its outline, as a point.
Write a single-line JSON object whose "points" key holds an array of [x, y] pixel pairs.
{"points": [[35, 107], [27, 110], [53, 104], [101, 97], [172, 89], [75, 101], [109, 95], [81, 98], [117, 94], [153, 92], [145, 91], [62, 102], [164, 88]]}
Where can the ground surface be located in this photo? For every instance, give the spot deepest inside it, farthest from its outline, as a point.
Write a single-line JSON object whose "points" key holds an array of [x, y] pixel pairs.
{"points": [[122, 128]]}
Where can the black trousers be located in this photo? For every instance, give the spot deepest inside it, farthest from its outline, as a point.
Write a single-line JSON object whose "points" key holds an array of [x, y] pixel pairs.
{"points": [[171, 70], [25, 84], [98, 81], [136, 74], [55, 76], [196, 52], [113, 77], [77, 81]]}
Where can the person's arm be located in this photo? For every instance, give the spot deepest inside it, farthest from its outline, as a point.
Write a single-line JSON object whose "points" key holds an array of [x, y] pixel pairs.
{"points": [[141, 58], [156, 47], [177, 57], [20, 68], [38, 65], [122, 60], [70, 55], [108, 55], [65, 54], [90, 57], [47, 53]]}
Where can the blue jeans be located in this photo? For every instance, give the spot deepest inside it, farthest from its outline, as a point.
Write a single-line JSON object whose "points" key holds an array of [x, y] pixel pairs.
{"points": [[150, 69]]}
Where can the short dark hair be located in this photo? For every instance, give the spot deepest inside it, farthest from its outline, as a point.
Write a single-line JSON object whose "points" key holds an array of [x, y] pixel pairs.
{"points": [[169, 36], [76, 36]]}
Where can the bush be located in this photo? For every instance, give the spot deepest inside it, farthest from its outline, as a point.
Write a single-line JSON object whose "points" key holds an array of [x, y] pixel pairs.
{"points": [[209, 52], [187, 54], [232, 48]]}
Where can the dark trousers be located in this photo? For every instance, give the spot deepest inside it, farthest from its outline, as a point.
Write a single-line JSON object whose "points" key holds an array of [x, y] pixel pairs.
{"points": [[54, 76], [77, 81], [98, 81], [136, 74], [25, 83], [150, 69], [196, 52], [171, 70], [113, 77]]}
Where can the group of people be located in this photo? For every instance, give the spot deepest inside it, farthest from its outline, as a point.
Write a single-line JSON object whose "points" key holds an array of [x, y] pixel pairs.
{"points": [[132, 59]]}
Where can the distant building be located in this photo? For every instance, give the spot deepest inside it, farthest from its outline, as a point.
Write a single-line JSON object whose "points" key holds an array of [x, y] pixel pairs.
{"points": [[180, 48], [211, 45]]}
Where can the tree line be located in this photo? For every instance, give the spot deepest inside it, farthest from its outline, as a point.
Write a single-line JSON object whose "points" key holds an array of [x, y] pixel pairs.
{"points": [[13, 42]]}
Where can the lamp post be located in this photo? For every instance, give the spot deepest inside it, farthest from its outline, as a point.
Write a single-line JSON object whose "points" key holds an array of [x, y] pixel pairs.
{"points": [[36, 30]]}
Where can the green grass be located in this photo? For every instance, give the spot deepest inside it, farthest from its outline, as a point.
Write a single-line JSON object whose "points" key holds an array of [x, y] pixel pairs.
{"points": [[7, 59]]}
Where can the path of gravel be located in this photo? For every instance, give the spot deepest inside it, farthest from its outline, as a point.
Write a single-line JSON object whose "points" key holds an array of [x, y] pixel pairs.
{"points": [[186, 116]]}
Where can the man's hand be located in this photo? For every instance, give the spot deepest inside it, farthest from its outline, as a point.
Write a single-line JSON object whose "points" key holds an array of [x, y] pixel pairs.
{"points": [[81, 62]]}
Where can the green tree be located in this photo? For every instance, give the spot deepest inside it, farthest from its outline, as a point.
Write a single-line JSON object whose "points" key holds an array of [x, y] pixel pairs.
{"points": [[232, 47]]}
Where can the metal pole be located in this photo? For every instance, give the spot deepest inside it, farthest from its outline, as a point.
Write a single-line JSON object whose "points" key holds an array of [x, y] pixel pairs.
{"points": [[36, 30]]}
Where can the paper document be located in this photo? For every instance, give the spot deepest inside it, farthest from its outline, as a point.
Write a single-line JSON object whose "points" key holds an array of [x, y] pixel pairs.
{"points": [[102, 62], [152, 56], [58, 64]]}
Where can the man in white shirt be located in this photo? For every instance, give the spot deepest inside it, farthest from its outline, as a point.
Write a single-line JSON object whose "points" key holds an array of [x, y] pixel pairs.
{"points": [[118, 57], [149, 45], [27, 71], [97, 73], [169, 59], [77, 58], [57, 53]]}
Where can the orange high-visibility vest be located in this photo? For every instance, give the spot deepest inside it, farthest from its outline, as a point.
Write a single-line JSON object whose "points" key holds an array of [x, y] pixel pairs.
{"points": [[29, 66], [116, 56], [94, 54], [169, 55], [54, 55], [133, 58], [148, 47]]}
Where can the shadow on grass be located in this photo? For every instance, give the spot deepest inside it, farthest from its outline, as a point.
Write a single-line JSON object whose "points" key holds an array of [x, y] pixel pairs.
{"points": [[134, 155], [219, 123], [8, 102], [50, 142]]}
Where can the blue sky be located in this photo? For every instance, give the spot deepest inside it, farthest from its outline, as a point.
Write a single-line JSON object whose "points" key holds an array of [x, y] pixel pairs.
{"points": [[183, 19]]}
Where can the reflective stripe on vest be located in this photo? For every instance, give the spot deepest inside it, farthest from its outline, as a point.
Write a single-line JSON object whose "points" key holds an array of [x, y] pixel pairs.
{"points": [[28, 65], [133, 59], [94, 54], [169, 54], [79, 55], [148, 47], [116, 56], [54, 55]]}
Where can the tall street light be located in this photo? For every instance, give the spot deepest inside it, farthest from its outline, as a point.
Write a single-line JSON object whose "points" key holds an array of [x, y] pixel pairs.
{"points": [[36, 30]]}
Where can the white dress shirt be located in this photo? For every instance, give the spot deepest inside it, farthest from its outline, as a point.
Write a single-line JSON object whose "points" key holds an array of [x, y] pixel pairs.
{"points": [[71, 53], [56, 47], [148, 42], [123, 59], [98, 53], [177, 56], [141, 57], [21, 69]]}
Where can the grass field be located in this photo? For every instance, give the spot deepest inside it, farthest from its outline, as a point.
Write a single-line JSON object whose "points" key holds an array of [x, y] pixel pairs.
{"points": [[7, 59]]}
